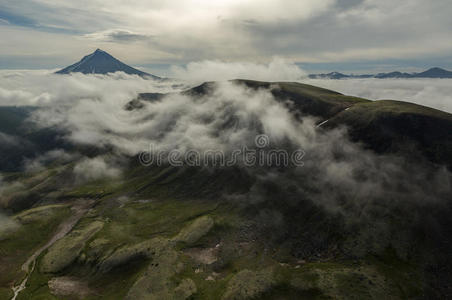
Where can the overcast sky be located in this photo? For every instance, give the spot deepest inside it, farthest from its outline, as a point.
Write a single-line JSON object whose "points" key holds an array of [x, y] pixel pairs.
{"points": [[324, 35]]}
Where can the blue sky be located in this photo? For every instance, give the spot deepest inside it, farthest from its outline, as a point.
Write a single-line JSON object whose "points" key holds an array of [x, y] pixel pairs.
{"points": [[319, 35]]}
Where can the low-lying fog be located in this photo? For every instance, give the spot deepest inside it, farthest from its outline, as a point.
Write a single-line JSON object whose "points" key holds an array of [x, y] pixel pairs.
{"points": [[42, 87]]}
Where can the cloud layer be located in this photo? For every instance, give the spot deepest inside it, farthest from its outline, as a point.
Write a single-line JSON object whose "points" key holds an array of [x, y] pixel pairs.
{"points": [[435, 93], [95, 168], [277, 70], [41, 88]]}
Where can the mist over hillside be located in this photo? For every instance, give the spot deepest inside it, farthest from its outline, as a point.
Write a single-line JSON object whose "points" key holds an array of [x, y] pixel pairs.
{"points": [[27, 87], [359, 201], [433, 93], [233, 150]]}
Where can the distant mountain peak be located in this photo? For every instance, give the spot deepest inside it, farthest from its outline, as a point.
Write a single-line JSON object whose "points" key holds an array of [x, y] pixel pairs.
{"points": [[435, 72], [436, 69], [101, 62]]}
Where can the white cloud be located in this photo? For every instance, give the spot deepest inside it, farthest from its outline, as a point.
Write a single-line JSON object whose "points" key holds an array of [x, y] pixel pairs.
{"points": [[7, 140], [7, 225], [277, 70], [435, 93], [7, 188], [41, 88], [42, 161], [95, 168], [117, 35], [90, 107]]}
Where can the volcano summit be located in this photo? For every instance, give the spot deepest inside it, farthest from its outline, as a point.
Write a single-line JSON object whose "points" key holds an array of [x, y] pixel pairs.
{"points": [[100, 62]]}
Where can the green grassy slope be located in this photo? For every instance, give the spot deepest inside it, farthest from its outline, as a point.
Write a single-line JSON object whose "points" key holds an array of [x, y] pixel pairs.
{"points": [[307, 99], [395, 126], [34, 228], [239, 267], [141, 213]]}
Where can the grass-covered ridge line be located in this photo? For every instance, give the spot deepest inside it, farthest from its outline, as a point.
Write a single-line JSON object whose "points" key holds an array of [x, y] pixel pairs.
{"points": [[389, 126]]}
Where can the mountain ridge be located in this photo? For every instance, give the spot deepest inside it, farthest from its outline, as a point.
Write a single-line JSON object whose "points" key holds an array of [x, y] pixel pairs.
{"points": [[435, 72], [384, 126]]}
